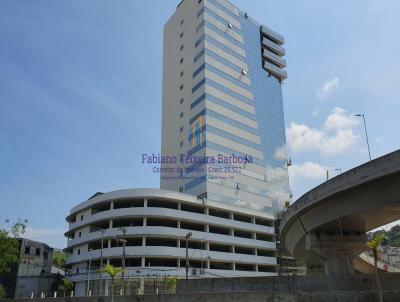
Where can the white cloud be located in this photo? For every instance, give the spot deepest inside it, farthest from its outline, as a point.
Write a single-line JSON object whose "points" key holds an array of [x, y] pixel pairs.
{"points": [[340, 120], [327, 89], [336, 136], [307, 171]]}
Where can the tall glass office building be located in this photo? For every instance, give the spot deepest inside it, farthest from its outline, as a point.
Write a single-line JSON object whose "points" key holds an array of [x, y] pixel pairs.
{"points": [[223, 133], [223, 142]]}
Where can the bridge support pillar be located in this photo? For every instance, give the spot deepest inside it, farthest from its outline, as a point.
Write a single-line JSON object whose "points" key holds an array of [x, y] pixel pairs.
{"points": [[333, 254]]}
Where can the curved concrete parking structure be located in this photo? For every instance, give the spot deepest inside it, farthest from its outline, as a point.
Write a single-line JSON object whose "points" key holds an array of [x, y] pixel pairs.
{"points": [[225, 241], [326, 227]]}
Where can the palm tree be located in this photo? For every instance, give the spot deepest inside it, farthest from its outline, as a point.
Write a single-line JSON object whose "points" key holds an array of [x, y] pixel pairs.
{"points": [[373, 244], [112, 272], [170, 284], [65, 286]]}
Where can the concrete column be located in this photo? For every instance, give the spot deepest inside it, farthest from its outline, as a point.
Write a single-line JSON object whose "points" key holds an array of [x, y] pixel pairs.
{"points": [[111, 205], [144, 241], [253, 236], [141, 286], [231, 215], [206, 228], [206, 211], [231, 232], [256, 267], [109, 243], [179, 206], [333, 254], [253, 220], [143, 262], [145, 202], [110, 224], [144, 221], [178, 224], [233, 249], [178, 243]]}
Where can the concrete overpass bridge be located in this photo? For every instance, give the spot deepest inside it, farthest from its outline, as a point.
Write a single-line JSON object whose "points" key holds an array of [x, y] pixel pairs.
{"points": [[325, 229]]}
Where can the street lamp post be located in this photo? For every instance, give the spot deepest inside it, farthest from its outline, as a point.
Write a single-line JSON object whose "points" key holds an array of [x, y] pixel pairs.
{"points": [[366, 133], [101, 262], [123, 229], [201, 256], [88, 279], [188, 235]]}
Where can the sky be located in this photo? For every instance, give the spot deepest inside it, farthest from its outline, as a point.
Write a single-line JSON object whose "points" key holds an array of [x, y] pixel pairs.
{"points": [[80, 95]]}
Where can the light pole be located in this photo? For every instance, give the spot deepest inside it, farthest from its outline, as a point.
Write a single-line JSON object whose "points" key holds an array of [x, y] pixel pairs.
{"points": [[201, 256], [101, 262], [88, 279], [188, 235], [366, 133], [123, 229]]}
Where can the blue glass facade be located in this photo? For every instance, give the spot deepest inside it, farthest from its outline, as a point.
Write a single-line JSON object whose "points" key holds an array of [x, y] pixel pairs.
{"points": [[266, 92], [235, 109]]}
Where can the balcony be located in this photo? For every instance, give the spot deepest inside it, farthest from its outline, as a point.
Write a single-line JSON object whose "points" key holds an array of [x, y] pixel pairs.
{"points": [[279, 50], [277, 38], [275, 70], [281, 62]]}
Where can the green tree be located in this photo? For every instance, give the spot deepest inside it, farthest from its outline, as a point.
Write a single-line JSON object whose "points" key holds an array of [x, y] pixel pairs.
{"points": [[65, 287], [59, 259], [374, 244], [9, 247], [3, 292], [112, 272], [18, 228], [170, 284]]}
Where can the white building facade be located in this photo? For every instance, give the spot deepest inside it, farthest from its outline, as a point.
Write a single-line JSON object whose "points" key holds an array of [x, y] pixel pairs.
{"points": [[223, 241], [223, 134]]}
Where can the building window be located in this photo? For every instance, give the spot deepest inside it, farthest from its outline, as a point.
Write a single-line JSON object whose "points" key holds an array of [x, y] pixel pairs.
{"points": [[181, 129], [182, 72], [181, 35], [181, 87], [181, 47], [181, 115], [181, 101], [37, 251], [77, 270], [79, 251], [80, 234], [182, 21], [180, 189], [181, 144], [27, 250], [199, 1], [81, 217], [45, 255], [199, 41], [181, 61]]}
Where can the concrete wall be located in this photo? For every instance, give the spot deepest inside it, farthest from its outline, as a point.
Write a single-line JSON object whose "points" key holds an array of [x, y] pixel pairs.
{"points": [[239, 297], [361, 282]]}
